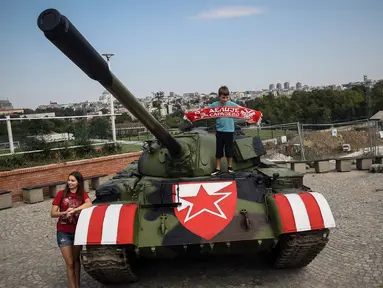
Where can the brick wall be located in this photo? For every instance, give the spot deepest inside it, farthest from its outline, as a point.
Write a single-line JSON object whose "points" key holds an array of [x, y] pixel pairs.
{"points": [[16, 179]]}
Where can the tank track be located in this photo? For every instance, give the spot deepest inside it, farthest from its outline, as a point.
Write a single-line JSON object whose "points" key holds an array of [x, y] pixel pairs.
{"points": [[299, 249], [110, 264]]}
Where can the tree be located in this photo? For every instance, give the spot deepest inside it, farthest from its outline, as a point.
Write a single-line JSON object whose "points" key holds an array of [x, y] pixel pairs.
{"points": [[125, 117], [99, 127], [318, 106]]}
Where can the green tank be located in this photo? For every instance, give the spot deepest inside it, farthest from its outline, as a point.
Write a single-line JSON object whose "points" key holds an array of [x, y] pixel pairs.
{"points": [[166, 204]]}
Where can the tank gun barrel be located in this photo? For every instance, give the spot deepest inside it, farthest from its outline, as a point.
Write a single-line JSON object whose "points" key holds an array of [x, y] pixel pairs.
{"points": [[64, 35]]}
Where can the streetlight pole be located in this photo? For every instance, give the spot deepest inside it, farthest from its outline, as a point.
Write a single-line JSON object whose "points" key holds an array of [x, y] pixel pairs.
{"points": [[368, 87], [111, 98]]}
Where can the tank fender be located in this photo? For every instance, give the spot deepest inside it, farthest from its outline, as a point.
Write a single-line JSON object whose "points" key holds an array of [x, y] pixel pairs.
{"points": [[296, 212], [106, 224]]}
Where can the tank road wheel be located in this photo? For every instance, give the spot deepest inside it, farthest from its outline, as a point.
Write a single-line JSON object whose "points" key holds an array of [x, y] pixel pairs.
{"points": [[297, 250], [110, 264]]}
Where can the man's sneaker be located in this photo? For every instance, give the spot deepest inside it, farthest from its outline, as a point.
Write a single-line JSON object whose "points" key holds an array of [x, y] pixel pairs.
{"points": [[230, 170], [216, 172]]}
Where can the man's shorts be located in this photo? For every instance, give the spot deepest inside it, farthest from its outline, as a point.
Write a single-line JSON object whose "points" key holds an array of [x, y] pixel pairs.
{"points": [[65, 239], [224, 140]]}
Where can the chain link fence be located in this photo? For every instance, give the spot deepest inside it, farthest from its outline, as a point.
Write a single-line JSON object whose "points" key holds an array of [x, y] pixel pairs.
{"points": [[32, 135], [297, 141], [274, 133], [86, 133], [27, 142]]}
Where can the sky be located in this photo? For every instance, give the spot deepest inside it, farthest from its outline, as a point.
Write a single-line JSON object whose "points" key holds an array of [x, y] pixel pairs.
{"points": [[191, 46]]}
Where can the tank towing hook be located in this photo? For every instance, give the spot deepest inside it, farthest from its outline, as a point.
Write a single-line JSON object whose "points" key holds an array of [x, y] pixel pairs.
{"points": [[246, 224], [163, 227]]}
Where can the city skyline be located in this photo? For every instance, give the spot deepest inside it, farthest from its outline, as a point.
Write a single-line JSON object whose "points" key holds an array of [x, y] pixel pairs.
{"points": [[273, 88], [192, 47], [96, 98]]}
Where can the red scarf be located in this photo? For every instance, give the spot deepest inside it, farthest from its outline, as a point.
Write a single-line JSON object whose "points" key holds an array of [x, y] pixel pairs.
{"points": [[252, 116]]}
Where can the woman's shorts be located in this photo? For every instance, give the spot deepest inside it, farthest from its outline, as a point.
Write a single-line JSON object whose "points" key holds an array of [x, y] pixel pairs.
{"points": [[65, 239]]}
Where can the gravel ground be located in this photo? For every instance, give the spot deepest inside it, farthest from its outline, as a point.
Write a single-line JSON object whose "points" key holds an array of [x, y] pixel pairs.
{"points": [[353, 258]]}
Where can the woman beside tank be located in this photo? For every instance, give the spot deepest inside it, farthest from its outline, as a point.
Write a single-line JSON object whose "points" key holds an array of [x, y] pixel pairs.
{"points": [[67, 206]]}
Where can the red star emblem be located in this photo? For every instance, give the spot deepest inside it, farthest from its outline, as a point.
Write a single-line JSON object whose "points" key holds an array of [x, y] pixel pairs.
{"points": [[206, 207], [204, 202]]}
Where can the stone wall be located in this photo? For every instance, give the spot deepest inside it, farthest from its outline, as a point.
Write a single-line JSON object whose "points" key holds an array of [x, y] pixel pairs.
{"points": [[16, 179]]}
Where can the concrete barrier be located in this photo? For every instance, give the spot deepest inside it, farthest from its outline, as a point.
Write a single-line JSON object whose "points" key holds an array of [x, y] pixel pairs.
{"points": [[298, 167], [33, 194], [364, 164], [5, 199], [343, 165], [322, 166]]}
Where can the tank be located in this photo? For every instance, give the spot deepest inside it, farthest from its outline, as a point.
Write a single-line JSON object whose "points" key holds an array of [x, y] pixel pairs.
{"points": [[166, 204]]}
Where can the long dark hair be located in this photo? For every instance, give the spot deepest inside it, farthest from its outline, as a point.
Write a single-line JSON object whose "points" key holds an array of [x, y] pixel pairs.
{"points": [[80, 186]]}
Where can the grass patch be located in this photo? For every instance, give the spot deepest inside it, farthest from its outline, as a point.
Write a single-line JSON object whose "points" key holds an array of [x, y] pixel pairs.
{"points": [[137, 138], [127, 148], [268, 134]]}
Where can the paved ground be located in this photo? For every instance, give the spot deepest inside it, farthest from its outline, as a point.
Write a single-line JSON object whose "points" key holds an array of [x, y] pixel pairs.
{"points": [[353, 258]]}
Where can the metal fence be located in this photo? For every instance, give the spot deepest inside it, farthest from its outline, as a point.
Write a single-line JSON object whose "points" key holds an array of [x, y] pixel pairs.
{"points": [[319, 141], [300, 141], [359, 137], [273, 132], [30, 135]]}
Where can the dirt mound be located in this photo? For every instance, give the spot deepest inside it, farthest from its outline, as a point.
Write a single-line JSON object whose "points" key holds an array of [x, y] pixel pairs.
{"points": [[321, 144], [324, 139]]}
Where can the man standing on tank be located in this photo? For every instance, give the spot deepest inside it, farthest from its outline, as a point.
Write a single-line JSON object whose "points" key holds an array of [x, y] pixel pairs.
{"points": [[224, 132]]}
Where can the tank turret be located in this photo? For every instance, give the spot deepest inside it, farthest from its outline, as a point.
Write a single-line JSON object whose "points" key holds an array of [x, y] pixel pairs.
{"points": [[187, 154]]}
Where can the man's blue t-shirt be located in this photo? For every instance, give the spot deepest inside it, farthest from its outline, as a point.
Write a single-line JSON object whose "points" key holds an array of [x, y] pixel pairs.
{"points": [[224, 124]]}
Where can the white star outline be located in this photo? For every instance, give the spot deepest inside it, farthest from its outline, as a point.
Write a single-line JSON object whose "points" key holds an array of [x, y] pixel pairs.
{"points": [[191, 190]]}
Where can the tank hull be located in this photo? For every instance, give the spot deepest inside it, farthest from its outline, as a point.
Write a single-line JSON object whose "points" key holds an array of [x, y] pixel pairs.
{"points": [[200, 216]]}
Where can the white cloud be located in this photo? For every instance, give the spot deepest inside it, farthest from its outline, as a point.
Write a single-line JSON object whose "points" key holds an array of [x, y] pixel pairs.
{"points": [[228, 12]]}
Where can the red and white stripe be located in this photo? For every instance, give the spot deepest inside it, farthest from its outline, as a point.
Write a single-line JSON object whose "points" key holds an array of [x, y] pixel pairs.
{"points": [[304, 211], [106, 224]]}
